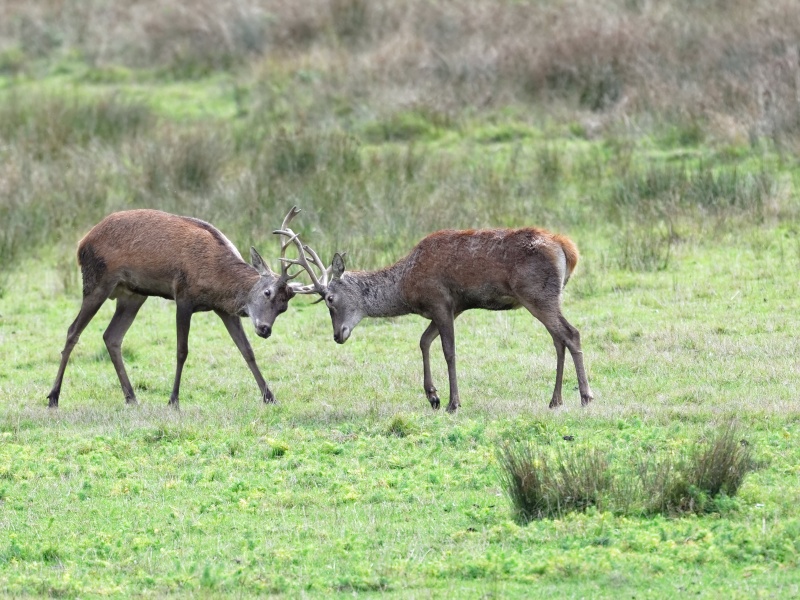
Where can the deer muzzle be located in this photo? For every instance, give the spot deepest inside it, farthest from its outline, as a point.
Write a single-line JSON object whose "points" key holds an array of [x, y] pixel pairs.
{"points": [[340, 336]]}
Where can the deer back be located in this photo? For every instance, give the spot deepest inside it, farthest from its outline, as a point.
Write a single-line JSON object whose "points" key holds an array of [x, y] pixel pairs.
{"points": [[486, 268], [154, 253]]}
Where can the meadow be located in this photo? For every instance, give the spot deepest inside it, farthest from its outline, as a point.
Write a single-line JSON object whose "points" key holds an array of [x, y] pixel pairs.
{"points": [[661, 140]]}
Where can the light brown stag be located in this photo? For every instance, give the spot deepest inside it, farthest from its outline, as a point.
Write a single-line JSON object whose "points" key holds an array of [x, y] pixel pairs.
{"points": [[133, 254], [447, 273]]}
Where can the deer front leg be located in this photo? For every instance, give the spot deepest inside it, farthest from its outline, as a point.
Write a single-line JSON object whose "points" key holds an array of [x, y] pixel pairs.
{"points": [[234, 326], [430, 334], [447, 331], [183, 320]]}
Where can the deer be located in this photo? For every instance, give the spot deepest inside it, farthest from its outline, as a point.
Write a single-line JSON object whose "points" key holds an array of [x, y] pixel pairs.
{"points": [[134, 254], [447, 273]]}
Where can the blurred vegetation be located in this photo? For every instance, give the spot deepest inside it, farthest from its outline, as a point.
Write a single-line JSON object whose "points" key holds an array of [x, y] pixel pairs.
{"points": [[637, 128]]}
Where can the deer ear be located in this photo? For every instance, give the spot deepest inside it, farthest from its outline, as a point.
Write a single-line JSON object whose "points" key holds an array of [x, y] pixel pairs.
{"points": [[258, 262], [338, 265]]}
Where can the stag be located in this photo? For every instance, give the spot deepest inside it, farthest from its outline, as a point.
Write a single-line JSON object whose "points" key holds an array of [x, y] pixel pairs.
{"points": [[134, 254], [447, 273]]}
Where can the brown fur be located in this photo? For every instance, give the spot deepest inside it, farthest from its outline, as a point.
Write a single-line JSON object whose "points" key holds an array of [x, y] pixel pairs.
{"points": [[131, 255], [451, 271]]}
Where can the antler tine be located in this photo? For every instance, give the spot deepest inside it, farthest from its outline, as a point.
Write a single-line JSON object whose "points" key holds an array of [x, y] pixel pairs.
{"points": [[326, 272], [289, 216], [316, 285], [285, 227]]}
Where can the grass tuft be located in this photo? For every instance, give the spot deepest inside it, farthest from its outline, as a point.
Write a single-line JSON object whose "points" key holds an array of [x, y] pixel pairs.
{"points": [[401, 425], [542, 484]]}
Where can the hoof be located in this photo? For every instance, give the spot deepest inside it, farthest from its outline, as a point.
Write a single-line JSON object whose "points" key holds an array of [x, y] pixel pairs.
{"points": [[433, 398], [173, 403], [131, 401], [270, 399], [555, 403], [451, 408], [586, 399]]}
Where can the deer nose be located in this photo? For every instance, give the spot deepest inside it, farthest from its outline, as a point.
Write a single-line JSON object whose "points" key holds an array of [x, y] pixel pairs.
{"points": [[340, 337], [263, 330]]}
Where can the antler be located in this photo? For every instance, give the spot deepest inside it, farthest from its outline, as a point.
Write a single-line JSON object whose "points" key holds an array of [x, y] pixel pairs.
{"points": [[285, 263], [319, 284]]}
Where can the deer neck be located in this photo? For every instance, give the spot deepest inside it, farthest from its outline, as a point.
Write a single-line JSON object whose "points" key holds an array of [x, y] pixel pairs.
{"points": [[238, 285], [380, 291]]}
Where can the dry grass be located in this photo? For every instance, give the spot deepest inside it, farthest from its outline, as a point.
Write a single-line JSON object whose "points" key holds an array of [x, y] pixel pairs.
{"points": [[731, 69]]}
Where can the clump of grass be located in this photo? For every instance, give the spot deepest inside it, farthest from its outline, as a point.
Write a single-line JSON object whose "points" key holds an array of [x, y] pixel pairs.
{"points": [[302, 152], [541, 486], [276, 448], [407, 125], [645, 249], [191, 162], [669, 191], [401, 425], [710, 472]]}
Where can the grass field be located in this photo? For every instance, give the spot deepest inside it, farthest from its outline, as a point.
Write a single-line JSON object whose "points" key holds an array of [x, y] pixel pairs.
{"points": [[352, 484], [675, 174]]}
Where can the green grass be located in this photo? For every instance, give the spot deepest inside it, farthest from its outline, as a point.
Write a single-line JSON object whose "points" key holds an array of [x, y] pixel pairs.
{"points": [[686, 297], [352, 485]]}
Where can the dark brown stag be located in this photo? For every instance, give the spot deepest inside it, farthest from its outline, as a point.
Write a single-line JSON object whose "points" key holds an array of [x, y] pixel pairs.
{"points": [[447, 273], [133, 254]]}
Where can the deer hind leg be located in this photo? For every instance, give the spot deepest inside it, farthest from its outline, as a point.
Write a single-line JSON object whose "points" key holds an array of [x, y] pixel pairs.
{"points": [[564, 336], [91, 304], [430, 334], [127, 308], [234, 326], [183, 321]]}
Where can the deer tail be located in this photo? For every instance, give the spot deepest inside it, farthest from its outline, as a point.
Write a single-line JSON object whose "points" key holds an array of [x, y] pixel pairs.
{"points": [[571, 254]]}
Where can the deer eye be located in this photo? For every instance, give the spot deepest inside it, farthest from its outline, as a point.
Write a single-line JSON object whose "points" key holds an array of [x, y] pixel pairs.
{"points": [[329, 299], [267, 293]]}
